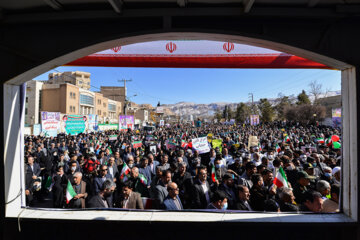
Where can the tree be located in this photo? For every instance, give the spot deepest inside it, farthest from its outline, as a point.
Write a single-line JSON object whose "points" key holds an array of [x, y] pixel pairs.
{"points": [[218, 115], [303, 98], [305, 113], [230, 113], [242, 113], [282, 103], [267, 112], [315, 90]]}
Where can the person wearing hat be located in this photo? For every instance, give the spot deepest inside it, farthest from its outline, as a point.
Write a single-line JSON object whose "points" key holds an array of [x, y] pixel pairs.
{"points": [[301, 186], [336, 174]]}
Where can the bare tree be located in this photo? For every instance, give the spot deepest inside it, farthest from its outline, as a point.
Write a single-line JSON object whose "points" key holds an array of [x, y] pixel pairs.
{"points": [[315, 90]]}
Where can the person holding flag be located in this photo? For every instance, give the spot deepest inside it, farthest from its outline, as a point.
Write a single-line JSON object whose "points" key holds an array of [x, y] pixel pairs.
{"points": [[77, 193]]}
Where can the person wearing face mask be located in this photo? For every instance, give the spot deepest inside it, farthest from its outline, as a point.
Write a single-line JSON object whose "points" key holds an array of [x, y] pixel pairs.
{"points": [[218, 201], [72, 169], [100, 200]]}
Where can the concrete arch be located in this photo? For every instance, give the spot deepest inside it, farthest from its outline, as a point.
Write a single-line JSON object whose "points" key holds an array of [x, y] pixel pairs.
{"points": [[138, 38]]}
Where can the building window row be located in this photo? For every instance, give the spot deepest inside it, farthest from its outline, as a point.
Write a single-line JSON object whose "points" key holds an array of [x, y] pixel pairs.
{"points": [[84, 99]]}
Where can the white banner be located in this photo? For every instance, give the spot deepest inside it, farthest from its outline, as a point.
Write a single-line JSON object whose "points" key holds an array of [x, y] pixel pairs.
{"points": [[201, 144]]}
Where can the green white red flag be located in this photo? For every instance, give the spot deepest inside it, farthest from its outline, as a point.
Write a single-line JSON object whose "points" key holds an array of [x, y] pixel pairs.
{"points": [[124, 171], [143, 179], [70, 192], [280, 179], [137, 144], [278, 148], [213, 174]]}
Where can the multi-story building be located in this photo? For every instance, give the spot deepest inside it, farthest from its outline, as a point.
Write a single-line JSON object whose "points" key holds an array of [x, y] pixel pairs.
{"points": [[114, 93], [69, 99], [77, 78], [32, 102]]}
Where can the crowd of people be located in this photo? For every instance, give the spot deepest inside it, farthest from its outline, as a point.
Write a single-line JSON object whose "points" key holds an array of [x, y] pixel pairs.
{"points": [[160, 169]]}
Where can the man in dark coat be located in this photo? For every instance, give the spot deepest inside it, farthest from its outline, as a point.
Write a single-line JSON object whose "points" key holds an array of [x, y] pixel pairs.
{"points": [[100, 199]]}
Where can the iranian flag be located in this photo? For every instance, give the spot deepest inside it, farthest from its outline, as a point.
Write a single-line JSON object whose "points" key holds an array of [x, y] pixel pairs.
{"points": [[278, 148], [259, 146], [70, 192], [124, 171], [287, 139], [328, 142], [97, 145], [213, 174], [320, 140], [280, 179], [143, 179], [183, 143], [137, 144]]}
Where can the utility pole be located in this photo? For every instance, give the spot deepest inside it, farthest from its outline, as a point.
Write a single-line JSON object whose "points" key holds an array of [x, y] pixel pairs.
{"points": [[251, 95], [125, 99]]}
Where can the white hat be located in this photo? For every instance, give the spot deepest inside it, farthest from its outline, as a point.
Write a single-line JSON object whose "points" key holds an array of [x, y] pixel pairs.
{"points": [[335, 170]]}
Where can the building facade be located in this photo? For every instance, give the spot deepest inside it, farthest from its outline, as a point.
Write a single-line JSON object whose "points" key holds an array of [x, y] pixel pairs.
{"points": [[77, 78], [32, 102]]}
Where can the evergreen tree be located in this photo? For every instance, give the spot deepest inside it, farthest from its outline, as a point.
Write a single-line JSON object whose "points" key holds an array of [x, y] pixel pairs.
{"points": [[303, 98], [242, 113], [267, 112], [283, 103]]}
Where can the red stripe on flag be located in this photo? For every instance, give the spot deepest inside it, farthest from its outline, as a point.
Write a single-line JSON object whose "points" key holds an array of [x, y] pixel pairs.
{"points": [[278, 183]]}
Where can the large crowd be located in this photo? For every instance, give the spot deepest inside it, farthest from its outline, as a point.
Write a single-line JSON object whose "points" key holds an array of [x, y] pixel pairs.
{"points": [[269, 167]]}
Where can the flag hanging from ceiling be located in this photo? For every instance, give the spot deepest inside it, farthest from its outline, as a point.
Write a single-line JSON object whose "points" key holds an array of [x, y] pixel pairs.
{"points": [[194, 54]]}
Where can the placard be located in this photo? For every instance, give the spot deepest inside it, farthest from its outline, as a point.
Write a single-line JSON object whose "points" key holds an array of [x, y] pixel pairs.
{"points": [[254, 120], [201, 144], [36, 129], [74, 124], [50, 123], [93, 122], [126, 122]]}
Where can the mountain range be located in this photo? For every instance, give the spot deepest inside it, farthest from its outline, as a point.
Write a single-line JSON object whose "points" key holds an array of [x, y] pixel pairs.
{"points": [[188, 109]]}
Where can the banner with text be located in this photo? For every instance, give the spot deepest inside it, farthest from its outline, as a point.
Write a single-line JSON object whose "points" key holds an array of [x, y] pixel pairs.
{"points": [[74, 124], [105, 127], [50, 123], [201, 144]]}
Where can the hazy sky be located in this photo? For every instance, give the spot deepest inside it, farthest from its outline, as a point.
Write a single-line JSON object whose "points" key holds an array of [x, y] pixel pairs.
{"points": [[172, 85]]}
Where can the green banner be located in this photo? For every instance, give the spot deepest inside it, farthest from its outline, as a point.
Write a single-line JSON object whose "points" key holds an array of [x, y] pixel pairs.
{"points": [[75, 124]]}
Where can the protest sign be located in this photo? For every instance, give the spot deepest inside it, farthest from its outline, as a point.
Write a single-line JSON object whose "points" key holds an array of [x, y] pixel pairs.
{"points": [[253, 141], [201, 144], [153, 149], [336, 117], [74, 124], [217, 143], [50, 123], [125, 122], [112, 137], [254, 120], [137, 144]]}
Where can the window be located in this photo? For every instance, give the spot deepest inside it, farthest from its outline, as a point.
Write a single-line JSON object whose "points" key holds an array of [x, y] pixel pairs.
{"points": [[99, 101], [26, 111], [112, 107], [85, 99], [27, 99], [80, 82], [104, 104]]}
